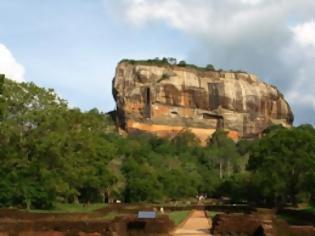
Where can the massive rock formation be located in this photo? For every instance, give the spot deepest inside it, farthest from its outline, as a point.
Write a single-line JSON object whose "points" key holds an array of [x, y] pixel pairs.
{"points": [[164, 99]]}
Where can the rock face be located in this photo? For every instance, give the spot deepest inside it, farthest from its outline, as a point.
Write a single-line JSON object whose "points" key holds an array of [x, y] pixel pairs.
{"points": [[164, 99]]}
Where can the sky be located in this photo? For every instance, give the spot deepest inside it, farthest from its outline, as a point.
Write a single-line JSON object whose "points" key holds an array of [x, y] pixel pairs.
{"points": [[74, 46]]}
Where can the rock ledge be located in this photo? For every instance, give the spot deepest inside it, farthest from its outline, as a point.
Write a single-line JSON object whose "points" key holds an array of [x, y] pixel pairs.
{"points": [[165, 99]]}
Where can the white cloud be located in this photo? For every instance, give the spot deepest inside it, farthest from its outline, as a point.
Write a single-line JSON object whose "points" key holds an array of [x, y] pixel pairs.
{"points": [[301, 99], [173, 12], [251, 2], [305, 33], [200, 16], [9, 66], [300, 55]]}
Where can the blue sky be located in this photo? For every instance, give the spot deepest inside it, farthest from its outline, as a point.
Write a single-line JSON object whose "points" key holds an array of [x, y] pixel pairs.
{"points": [[73, 46]]}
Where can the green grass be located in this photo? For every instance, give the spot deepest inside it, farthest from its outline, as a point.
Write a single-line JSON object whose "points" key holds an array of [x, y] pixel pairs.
{"points": [[298, 219], [212, 214], [310, 209], [178, 216], [290, 219], [112, 215], [72, 208]]}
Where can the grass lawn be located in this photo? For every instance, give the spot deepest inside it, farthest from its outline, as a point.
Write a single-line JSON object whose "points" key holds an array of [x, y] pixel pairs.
{"points": [[304, 216], [178, 216], [212, 214], [112, 215], [310, 209], [72, 208], [290, 219]]}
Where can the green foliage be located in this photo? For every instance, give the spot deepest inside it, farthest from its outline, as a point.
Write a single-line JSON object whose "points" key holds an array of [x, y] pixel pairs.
{"points": [[150, 62], [48, 151], [157, 170], [51, 154], [178, 216], [185, 139], [168, 62], [236, 187], [1, 96], [283, 163], [72, 208], [210, 67], [2, 77], [228, 157], [165, 76], [182, 63]]}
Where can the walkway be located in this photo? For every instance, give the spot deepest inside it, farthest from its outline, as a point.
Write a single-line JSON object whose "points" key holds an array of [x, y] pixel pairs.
{"points": [[197, 225]]}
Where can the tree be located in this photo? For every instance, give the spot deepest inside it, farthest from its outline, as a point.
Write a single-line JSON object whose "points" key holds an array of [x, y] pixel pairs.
{"points": [[210, 67], [237, 187], [280, 162], [185, 139], [49, 151], [165, 60], [226, 152], [1, 96], [172, 60], [182, 63], [142, 183]]}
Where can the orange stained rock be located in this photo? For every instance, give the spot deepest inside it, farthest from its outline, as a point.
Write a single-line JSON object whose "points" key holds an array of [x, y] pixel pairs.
{"points": [[169, 131], [160, 110], [196, 98], [134, 106], [234, 135]]}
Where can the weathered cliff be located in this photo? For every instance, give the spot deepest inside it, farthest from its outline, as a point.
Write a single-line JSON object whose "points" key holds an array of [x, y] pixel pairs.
{"points": [[164, 99]]}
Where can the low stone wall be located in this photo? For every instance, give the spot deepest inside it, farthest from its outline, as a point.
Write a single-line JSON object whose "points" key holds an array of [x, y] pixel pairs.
{"points": [[302, 230], [63, 228], [230, 208], [236, 224], [17, 223], [131, 226], [256, 225], [300, 217], [134, 208]]}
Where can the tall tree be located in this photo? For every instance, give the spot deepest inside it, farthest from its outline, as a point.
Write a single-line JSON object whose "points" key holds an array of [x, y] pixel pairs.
{"points": [[1, 96], [280, 162], [226, 152]]}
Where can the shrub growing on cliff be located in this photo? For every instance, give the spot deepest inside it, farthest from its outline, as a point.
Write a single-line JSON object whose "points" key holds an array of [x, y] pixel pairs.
{"points": [[155, 62], [182, 63], [170, 61], [210, 67]]}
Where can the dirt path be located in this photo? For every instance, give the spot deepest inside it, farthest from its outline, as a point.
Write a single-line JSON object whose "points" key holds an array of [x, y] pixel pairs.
{"points": [[197, 225]]}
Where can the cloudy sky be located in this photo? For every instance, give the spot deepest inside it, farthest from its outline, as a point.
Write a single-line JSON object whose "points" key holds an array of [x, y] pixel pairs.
{"points": [[74, 45]]}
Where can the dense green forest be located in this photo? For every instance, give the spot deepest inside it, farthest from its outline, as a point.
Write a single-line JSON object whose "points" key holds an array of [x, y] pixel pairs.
{"points": [[51, 153]]}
